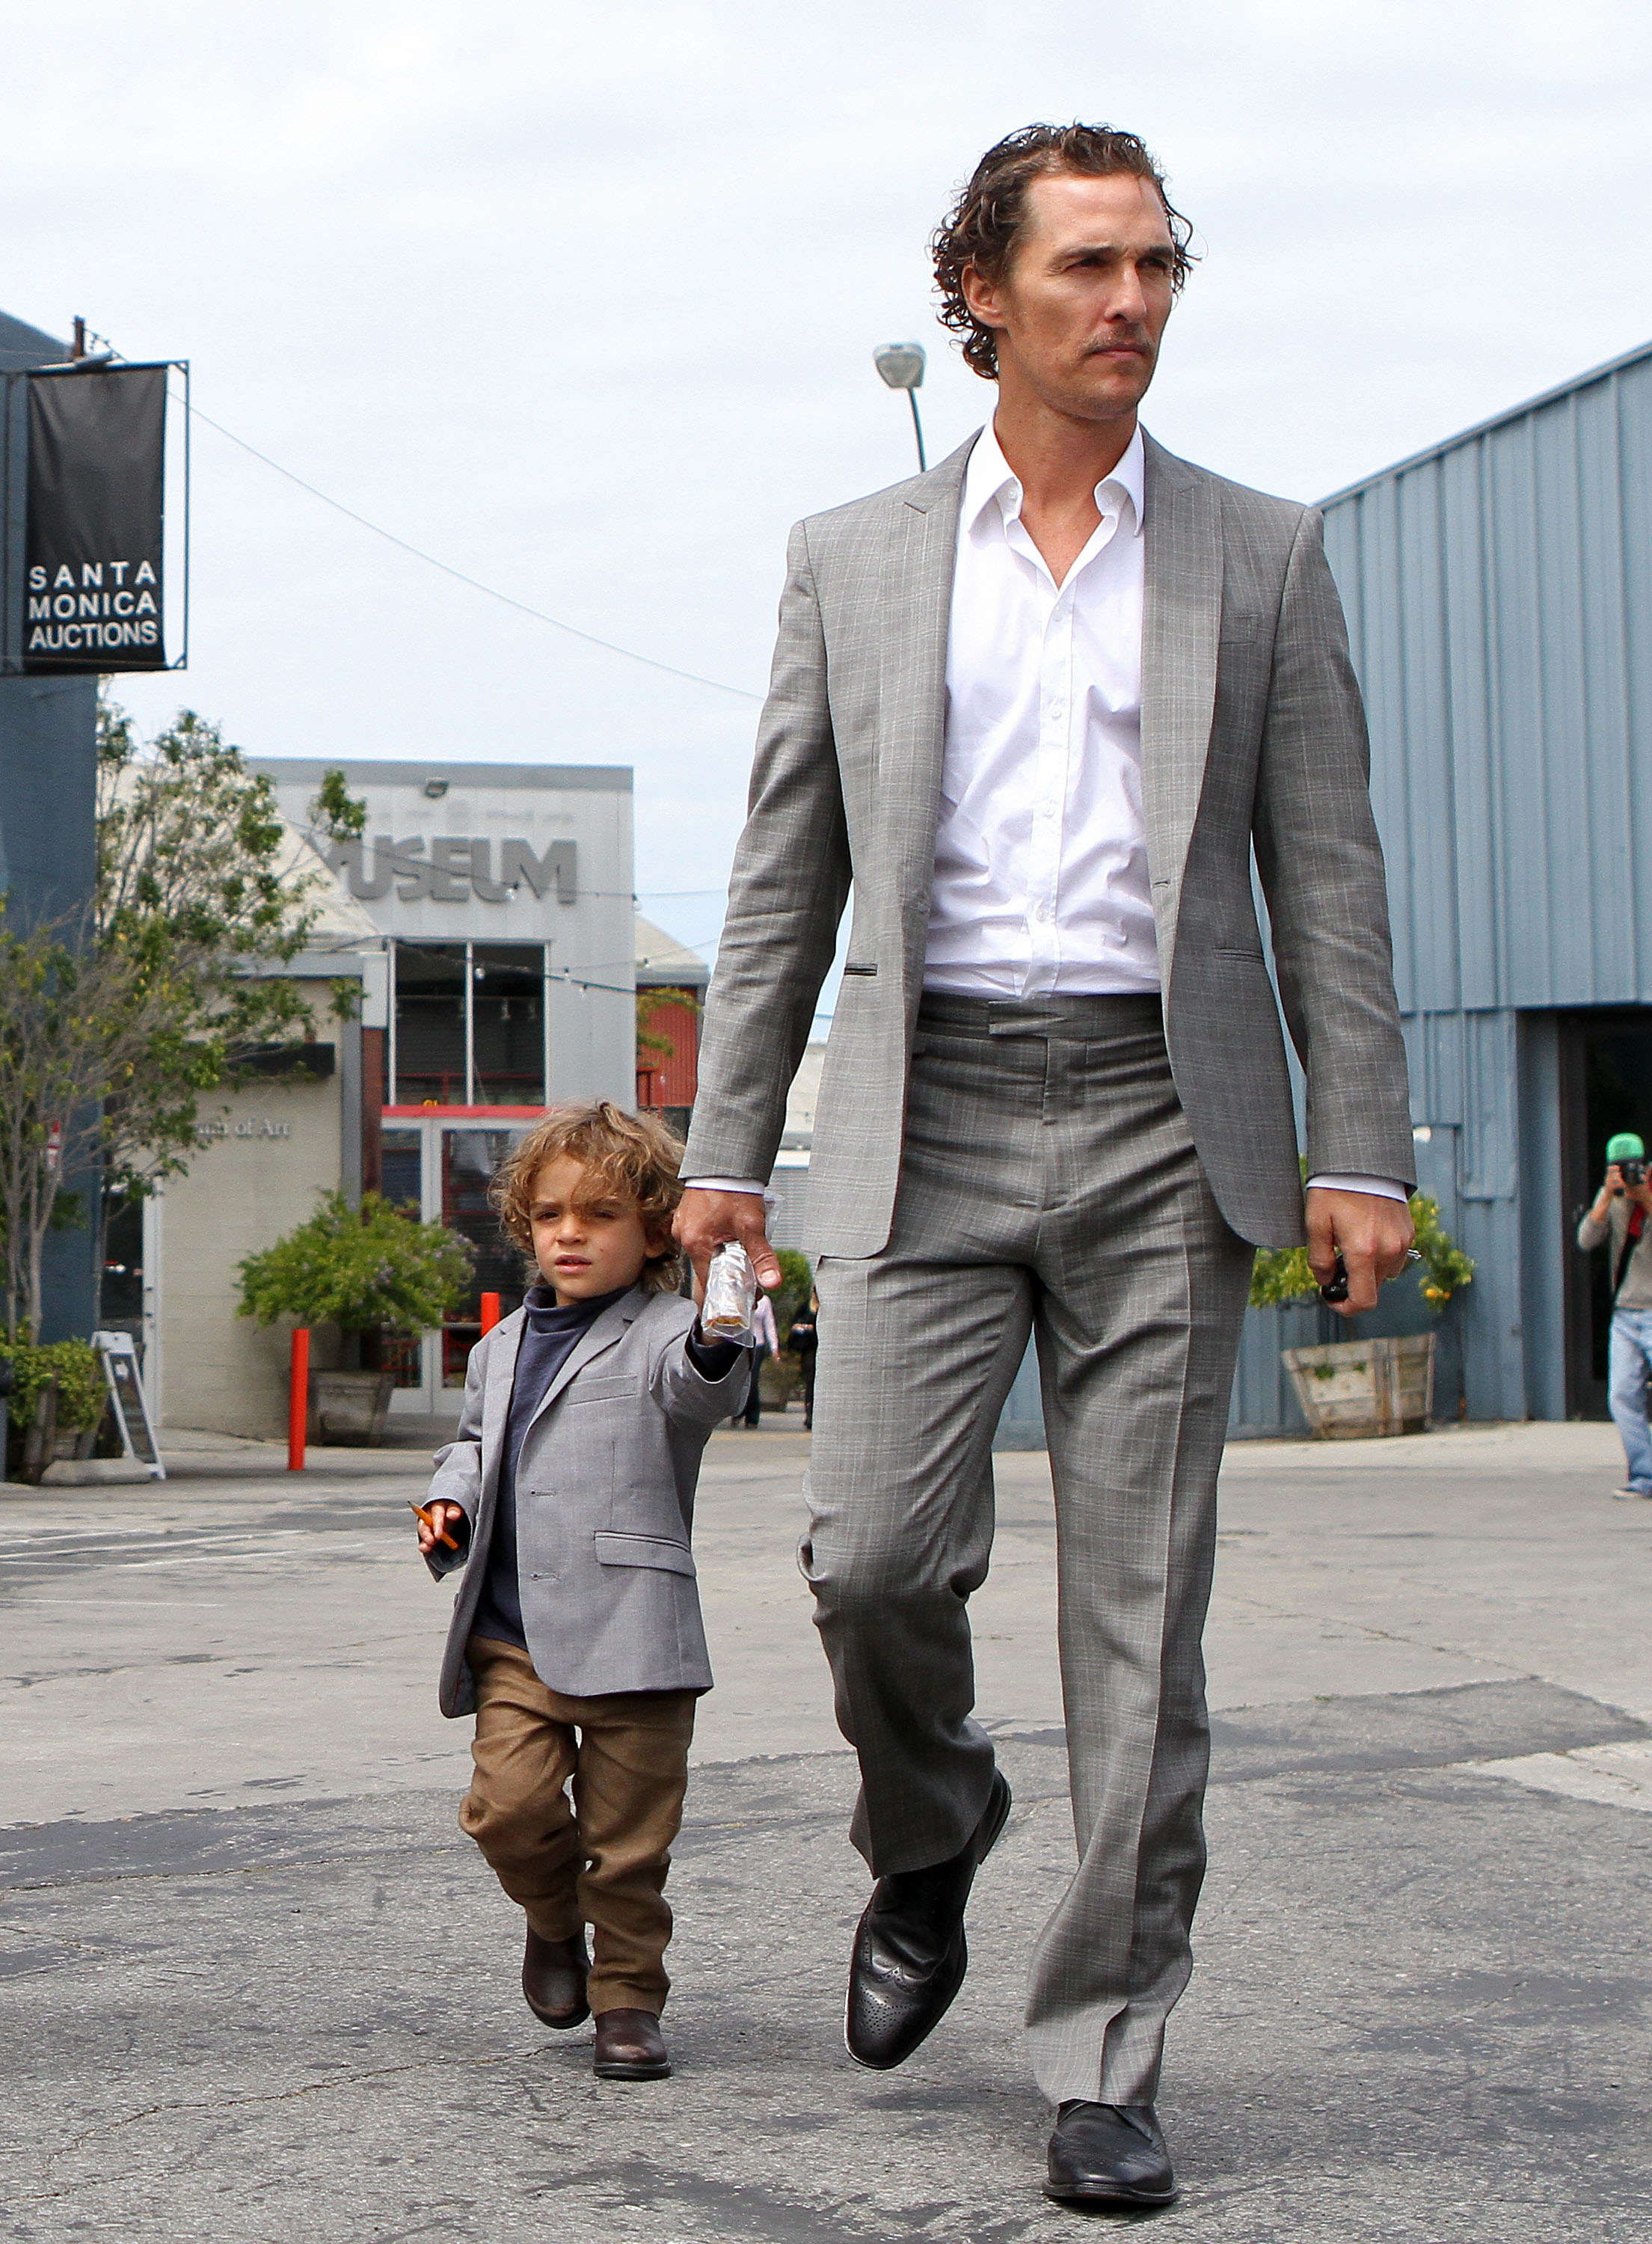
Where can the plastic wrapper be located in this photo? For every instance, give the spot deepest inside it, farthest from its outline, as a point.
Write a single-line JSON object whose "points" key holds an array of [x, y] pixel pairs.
{"points": [[731, 1294]]}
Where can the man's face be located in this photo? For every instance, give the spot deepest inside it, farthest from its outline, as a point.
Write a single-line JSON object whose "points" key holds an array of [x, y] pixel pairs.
{"points": [[1082, 307]]}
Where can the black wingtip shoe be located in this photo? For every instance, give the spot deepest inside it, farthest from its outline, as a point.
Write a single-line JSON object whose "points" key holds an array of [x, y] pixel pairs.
{"points": [[910, 1955], [1109, 2154]]}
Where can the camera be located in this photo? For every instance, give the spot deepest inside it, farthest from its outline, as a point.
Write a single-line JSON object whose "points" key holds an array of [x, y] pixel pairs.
{"points": [[1633, 1173]]}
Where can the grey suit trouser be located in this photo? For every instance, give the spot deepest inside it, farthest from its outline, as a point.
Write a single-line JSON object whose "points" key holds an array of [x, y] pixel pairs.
{"points": [[1048, 1185]]}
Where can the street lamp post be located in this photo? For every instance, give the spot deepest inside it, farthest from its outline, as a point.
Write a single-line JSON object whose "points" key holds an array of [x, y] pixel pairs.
{"points": [[901, 366]]}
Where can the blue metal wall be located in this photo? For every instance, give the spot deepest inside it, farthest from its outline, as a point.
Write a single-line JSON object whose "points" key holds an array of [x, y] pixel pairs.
{"points": [[1498, 588], [48, 809], [1497, 592]]}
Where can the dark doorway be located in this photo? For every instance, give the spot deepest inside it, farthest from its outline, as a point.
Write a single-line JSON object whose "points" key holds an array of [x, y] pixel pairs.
{"points": [[1605, 1085], [121, 1300]]}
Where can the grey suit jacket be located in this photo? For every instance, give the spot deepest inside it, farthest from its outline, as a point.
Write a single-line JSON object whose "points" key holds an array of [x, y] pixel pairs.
{"points": [[605, 1481], [1252, 735]]}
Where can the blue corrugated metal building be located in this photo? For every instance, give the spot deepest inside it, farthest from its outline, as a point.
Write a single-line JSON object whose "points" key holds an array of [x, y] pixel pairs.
{"points": [[47, 787], [1499, 593]]}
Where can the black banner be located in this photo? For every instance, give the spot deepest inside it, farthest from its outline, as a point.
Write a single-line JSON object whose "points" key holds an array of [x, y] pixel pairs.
{"points": [[92, 583]]}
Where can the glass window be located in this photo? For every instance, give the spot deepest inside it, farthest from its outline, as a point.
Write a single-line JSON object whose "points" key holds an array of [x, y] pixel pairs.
{"points": [[469, 1026], [507, 1024], [468, 1160], [402, 1168], [402, 1174], [430, 1025]]}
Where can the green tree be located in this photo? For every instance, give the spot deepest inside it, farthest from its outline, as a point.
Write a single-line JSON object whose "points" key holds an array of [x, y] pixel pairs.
{"points": [[116, 1022], [652, 1001]]}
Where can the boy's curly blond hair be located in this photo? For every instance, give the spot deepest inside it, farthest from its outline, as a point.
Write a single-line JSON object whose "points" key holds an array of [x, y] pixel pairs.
{"points": [[633, 1157]]}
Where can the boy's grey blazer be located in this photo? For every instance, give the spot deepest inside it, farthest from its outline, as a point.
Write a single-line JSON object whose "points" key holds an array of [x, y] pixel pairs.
{"points": [[605, 1481], [1252, 732]]}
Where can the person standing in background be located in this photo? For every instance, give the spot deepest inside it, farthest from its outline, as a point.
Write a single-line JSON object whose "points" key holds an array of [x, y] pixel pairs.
{"points": [[1619, 1214], [765, 1334], [804, 1340]]}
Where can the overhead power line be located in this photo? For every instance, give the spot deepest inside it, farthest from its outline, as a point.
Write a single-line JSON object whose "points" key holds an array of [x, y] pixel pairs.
{"points": [[492, 591]]}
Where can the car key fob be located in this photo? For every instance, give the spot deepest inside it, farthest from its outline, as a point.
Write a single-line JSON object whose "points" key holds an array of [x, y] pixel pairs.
{"points": [[1337, 1290]]}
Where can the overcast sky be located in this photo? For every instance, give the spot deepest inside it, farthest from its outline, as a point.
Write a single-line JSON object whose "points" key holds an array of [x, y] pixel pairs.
{"points": [[582, 300]]}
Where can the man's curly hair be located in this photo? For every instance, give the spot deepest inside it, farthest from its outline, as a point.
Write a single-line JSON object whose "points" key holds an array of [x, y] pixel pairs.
{"points": [[633, 1157], [985, 223]]}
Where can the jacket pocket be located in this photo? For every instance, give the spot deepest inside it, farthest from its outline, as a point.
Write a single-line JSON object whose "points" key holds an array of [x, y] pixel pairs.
{"points": [[853, 968], [581, 1389], [615, 1548]]}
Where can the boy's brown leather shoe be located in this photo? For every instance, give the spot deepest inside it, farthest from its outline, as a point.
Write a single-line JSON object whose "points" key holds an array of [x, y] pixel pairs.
{"points": [[629, 2046], [553, 1979]]}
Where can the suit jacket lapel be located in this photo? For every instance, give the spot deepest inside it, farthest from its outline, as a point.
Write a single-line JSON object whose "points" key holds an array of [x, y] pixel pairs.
{"points": [[610, 1327], [1180, 632], [915, 611], [495, 1398]]}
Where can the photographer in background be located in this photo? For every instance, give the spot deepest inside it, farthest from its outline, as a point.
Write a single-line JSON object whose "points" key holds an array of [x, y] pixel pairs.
{"points": [[1619, 1214]]}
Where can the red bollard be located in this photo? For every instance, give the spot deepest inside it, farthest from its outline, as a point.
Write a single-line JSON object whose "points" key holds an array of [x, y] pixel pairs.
{"points": [[489, 1313], [298, 1400]]}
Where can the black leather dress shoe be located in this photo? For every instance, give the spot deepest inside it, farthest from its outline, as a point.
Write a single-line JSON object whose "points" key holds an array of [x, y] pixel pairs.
{"points": [[553, 1979], [1109, 2154], [910, 1955]]}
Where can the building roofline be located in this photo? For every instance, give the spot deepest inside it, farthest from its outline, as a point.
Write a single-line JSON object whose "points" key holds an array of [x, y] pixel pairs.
{"points": [[362, 771], [1495, 421], [23, 346]]}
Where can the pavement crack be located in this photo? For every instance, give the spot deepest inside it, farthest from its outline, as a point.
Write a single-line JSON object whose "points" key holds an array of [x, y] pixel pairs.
{"points": [[112, 2127]]}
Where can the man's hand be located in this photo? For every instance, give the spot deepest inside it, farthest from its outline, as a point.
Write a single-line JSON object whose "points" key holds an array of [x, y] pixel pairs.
{"points": [[1372, 1235], [436, 1520], [1614, 1188], [1606, 1195], [705, 1219]]}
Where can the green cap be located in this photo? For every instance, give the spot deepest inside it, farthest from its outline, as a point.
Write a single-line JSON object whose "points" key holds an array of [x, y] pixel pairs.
{"points": [[1626, 1147]]}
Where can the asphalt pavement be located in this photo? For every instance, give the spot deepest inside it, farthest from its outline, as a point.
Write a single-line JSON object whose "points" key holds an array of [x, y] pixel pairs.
{"points": [[255, 1985]]}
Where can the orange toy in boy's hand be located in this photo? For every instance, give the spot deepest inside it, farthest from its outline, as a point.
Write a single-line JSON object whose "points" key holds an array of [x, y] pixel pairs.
{"points": [[434, 1525]]}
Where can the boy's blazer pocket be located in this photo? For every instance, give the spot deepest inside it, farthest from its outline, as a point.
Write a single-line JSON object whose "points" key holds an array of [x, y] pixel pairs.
{"points": [[615, 1548], [612, 1389]]}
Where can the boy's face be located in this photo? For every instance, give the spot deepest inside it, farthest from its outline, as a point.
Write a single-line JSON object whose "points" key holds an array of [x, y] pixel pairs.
{"points": [[587, 1239]]}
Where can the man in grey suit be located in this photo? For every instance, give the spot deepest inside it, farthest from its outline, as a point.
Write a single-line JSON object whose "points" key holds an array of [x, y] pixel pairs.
{"points": [[1039, 706]]}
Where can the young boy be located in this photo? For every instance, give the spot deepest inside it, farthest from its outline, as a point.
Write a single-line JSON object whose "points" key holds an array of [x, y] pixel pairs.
{"points": [[576, 1639]]}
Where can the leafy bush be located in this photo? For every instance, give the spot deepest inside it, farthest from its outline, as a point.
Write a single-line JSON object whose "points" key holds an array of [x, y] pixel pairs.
{"points": [[797, 1282], [77, 1369], [358, 1268], [1445, 1268], [1282, 1274]]}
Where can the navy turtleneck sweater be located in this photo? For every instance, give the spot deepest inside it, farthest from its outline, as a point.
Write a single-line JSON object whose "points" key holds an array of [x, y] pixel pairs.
{"points": [[548, 1339]]}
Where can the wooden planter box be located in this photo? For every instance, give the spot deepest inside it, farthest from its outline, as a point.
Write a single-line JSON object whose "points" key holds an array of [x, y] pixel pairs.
{"points": [[349, 1409], [1352, 1390]]}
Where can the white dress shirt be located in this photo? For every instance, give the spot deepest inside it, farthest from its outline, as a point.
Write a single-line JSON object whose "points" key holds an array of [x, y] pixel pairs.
{"points": [[1042, 884]]}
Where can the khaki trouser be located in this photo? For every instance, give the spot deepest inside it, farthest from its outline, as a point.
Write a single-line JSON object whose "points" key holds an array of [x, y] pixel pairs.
{"points": [[603, 1860]]}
